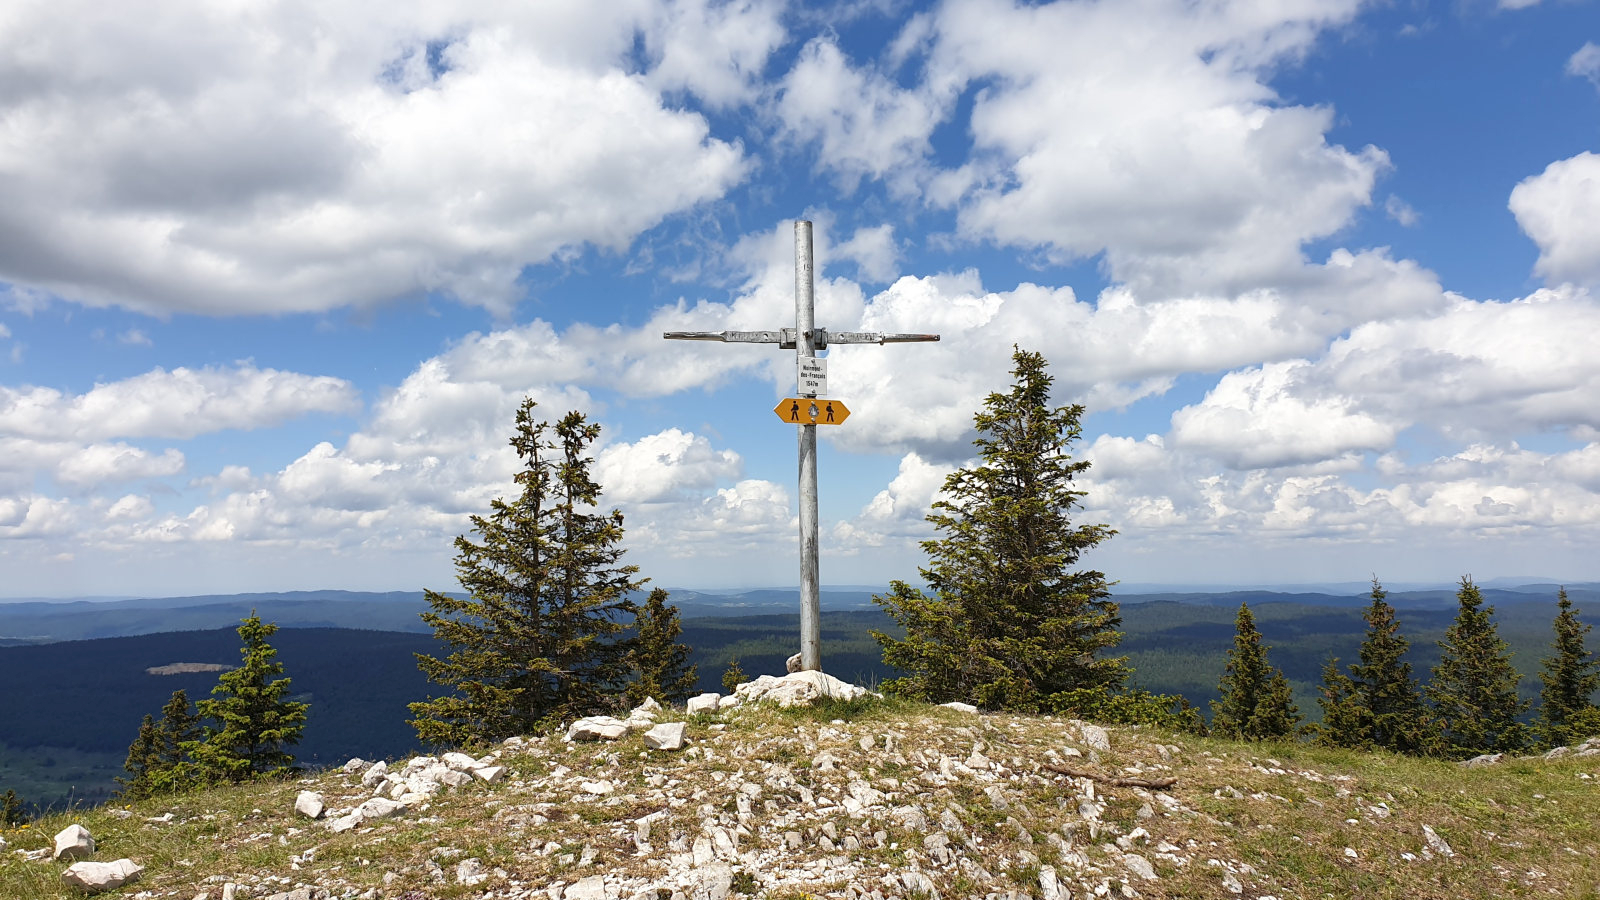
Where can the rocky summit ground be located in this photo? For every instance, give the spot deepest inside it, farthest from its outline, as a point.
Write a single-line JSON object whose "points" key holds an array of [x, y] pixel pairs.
{"points": [[859, 799]]}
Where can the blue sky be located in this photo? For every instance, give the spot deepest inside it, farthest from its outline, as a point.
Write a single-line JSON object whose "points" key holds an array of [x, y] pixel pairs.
{"points": [[272, 282]]}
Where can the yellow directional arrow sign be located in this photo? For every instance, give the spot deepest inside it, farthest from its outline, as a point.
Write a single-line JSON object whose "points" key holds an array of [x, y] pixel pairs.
{"points": [[811, 411]]}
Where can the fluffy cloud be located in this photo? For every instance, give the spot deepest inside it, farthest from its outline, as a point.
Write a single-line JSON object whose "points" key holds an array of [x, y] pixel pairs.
{"points": [[668, 465], [1585, 63], [1107, 354], [1147, 133], [898, 512], [99, 464], [240, 168], [181, 403], [1257, 419], [1472, 371], [1560, 210], [867, 125]]}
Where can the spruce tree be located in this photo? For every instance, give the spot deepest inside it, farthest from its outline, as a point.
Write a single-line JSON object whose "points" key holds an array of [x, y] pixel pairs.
{"points": [[1007, 623], [1385, 702], [1570, 679], [1256, 702], [660, 664], [537, 638], [1346, 721], [12, 812], [144, 760], [252, 720], [733, 676], [1474, 687]]}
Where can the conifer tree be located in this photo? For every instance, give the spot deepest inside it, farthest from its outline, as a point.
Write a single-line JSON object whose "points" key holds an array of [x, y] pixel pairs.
{"points": [[1474, 687], [660, 664], [1570, 679], [156, 759], [537, 638], [12, 812], [733, 676], [142, 762], [1256, 703], [252, 720], [1346, 721], [1007, 623], [1382, 701]]}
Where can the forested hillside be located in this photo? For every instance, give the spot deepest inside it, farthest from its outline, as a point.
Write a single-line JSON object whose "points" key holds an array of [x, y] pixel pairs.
{"points": [[71, 728]]}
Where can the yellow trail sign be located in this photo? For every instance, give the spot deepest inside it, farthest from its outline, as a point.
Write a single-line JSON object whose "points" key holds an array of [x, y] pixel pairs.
{"points": [[811, 411]]}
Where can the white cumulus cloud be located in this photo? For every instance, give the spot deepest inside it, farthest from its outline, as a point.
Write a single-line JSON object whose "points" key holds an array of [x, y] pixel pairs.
{"points": [[1560, 210]]}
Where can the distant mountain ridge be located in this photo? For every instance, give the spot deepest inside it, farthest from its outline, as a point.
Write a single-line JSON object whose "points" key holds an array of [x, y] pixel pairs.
{"points": [[41, 622]]}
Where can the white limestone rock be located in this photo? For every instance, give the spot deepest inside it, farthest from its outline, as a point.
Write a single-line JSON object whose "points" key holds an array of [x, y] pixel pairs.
{"points": [[1436, 843], [1139, 866], [1095, 737], [712, 882], [379, 808], [470, 872], [356, 764], [792, 664], [597, 728], [729, 702], [958, 706], [1487, 759], [309, 804], [666, 736], [374, 774], [490, 774], [74, 842], [94, 877], [590, 888], [798, 689], [706, 702], [459, 762]]}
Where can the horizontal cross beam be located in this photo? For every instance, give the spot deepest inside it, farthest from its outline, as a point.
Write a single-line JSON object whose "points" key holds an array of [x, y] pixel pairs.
{"points": [[785, 337]]}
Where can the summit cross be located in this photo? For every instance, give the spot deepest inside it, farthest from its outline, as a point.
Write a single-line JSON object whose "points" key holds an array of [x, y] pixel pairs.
{"points": [[805, 339]]}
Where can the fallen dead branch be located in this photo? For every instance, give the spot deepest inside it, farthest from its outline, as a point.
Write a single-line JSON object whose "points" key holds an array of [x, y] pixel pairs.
{"points": [[1155, 784]]}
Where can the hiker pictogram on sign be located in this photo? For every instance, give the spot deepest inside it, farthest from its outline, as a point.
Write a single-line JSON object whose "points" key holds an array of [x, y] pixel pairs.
{"points": [[812, 411]]}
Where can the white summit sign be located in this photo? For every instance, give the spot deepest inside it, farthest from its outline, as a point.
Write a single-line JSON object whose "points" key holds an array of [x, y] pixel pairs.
{"points": [[813, 380]]}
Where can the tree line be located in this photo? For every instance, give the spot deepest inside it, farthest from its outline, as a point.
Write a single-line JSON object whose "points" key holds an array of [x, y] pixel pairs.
{"points": [[549, 629]]}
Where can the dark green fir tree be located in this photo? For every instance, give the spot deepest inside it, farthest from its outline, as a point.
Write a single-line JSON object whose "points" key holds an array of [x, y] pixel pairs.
{"points": [[143, 761], [1474, 687], [733, 676], [661, 668], [538, 638], [1256, 702], [252, 723], [12, 810], [1008, 621], [1379, 705], [1566, 702], [1346, 722]]}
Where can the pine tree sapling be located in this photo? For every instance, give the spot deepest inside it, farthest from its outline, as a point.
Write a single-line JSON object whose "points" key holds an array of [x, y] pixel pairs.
{"points": [[733, 676], [1256, 701], [1006, 622], [1570, 677], [661, 668], [1474, 687], [538, 636], [253, 723]]}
